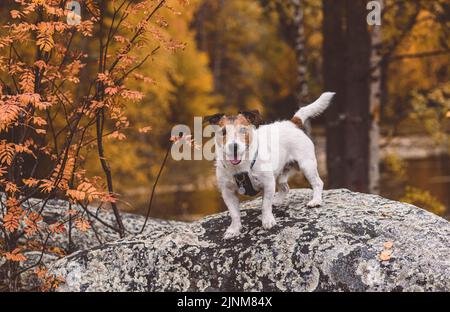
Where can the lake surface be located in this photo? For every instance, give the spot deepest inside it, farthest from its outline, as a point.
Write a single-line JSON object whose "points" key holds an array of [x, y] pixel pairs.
{"points": [[432, 174]]}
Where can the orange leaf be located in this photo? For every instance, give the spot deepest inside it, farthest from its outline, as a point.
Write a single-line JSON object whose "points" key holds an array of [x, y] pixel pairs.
{"points": [[57, 228], [145, 129], [11, 222], [15, 255], [82, 224], [385, 255], [388, 245]]}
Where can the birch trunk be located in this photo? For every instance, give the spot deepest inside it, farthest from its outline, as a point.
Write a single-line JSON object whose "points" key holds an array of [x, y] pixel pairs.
{"points": [[300, 51], [375, 108]]}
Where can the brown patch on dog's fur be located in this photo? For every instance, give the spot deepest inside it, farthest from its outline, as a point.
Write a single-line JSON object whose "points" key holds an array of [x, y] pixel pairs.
{"points": [[243, 119], [298, 122]]}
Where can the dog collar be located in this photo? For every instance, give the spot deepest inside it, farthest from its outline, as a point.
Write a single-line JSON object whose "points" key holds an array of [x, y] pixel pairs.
{"points": [[244, 184], [242, 179]]}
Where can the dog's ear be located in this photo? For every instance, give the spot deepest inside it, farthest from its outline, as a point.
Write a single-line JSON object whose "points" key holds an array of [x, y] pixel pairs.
{"points": [[252, 116], [213, 119]]}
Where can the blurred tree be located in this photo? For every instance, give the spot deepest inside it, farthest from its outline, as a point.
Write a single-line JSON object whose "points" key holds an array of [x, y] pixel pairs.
{"points": [[251, 65], [177, 86], [375, 105], [346, 71]]}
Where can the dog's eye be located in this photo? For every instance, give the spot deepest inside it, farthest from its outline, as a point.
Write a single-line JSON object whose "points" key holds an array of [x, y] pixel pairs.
{"points": [[243, 130]]}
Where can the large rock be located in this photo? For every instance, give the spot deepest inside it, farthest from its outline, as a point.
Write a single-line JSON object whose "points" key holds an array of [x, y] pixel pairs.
{"points": [[56, 210], [335, 247]]}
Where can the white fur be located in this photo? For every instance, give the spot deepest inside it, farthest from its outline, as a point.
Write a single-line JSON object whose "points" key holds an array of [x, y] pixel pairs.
{"points": [[277, 143]]}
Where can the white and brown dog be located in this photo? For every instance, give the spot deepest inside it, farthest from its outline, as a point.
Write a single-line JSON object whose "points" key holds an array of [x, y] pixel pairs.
{"points": [[250, 159]]}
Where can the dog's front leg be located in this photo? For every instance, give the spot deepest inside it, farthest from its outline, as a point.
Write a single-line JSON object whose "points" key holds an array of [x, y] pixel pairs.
{"points": [[268, 220], [232, 201]]}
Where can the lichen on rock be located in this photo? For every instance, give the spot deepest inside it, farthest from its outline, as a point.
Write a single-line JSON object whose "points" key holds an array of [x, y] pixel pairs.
{"points": [[335, 247]]}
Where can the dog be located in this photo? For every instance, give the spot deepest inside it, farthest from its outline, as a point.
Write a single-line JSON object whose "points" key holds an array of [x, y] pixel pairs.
{"points": [[251, 158]]}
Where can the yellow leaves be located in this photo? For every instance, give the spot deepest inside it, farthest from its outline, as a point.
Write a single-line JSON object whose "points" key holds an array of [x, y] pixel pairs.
{"points": [[132, 95], [105, 78], [3, 170], [9, 112], [49, 281], [424, 199], [84, 191], [45, 40], [28, 98], [92, 6], [31, 223], [15, 14], [82, 224], [30, 182], [11, 220], [46, 186], [149, 80], [145, 129], [39, 121], [117, 135], [15, 255], [22, 148], [448, 114], [111, 90], [7, 152], [57, 251], [86, 28], [72, 71], [39, 2], [57, 228], [42, 105], [41, 272], [11, 188], [64, 177]]}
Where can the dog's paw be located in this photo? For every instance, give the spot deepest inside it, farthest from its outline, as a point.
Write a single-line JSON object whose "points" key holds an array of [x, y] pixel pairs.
{"points": [[314, 203], [231, 232], [268, 221]]}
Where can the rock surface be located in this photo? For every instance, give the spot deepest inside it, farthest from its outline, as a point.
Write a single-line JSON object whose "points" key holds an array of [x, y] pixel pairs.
{"points": [[55, 210], [335, 247]]}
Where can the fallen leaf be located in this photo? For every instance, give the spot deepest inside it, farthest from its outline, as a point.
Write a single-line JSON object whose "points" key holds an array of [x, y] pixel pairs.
{"points": [[388, 245], [385, 255]]}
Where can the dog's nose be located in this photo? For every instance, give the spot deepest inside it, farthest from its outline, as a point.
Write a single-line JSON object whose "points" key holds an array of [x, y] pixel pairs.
{"points": [[233, 147]]}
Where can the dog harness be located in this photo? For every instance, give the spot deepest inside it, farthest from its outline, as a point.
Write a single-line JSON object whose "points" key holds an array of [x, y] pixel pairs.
{"points": [[244, 184]]}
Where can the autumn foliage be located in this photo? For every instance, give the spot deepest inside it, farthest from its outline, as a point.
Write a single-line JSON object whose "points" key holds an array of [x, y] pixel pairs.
{"points": [[48, 123]]}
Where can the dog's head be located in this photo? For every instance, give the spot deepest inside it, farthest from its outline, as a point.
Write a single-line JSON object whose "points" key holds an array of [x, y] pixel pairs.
{"points": [[235, 134]]}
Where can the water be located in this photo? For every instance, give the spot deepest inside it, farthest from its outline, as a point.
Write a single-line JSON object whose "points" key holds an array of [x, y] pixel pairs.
{"points": [[431, 174]]}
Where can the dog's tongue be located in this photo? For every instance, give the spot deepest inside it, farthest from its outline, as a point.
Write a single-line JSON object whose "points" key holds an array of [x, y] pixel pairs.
{"points": [[235, 161]]}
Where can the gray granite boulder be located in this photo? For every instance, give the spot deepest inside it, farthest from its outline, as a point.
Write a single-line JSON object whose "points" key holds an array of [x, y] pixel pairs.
{"points": [[55, 210], [354, 242]]}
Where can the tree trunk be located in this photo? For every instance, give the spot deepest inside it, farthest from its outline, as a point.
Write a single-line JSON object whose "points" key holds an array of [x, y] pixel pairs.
{"points": [[300, 52], [333, 67], [346, 71], [357, 100], [375, 108]]}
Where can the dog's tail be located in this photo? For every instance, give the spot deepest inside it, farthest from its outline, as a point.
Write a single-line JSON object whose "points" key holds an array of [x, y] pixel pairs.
{"points": [[316, 108]]}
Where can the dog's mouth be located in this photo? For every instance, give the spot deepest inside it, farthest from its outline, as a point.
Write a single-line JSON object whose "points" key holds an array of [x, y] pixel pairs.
{"points": [[235, 161]]}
